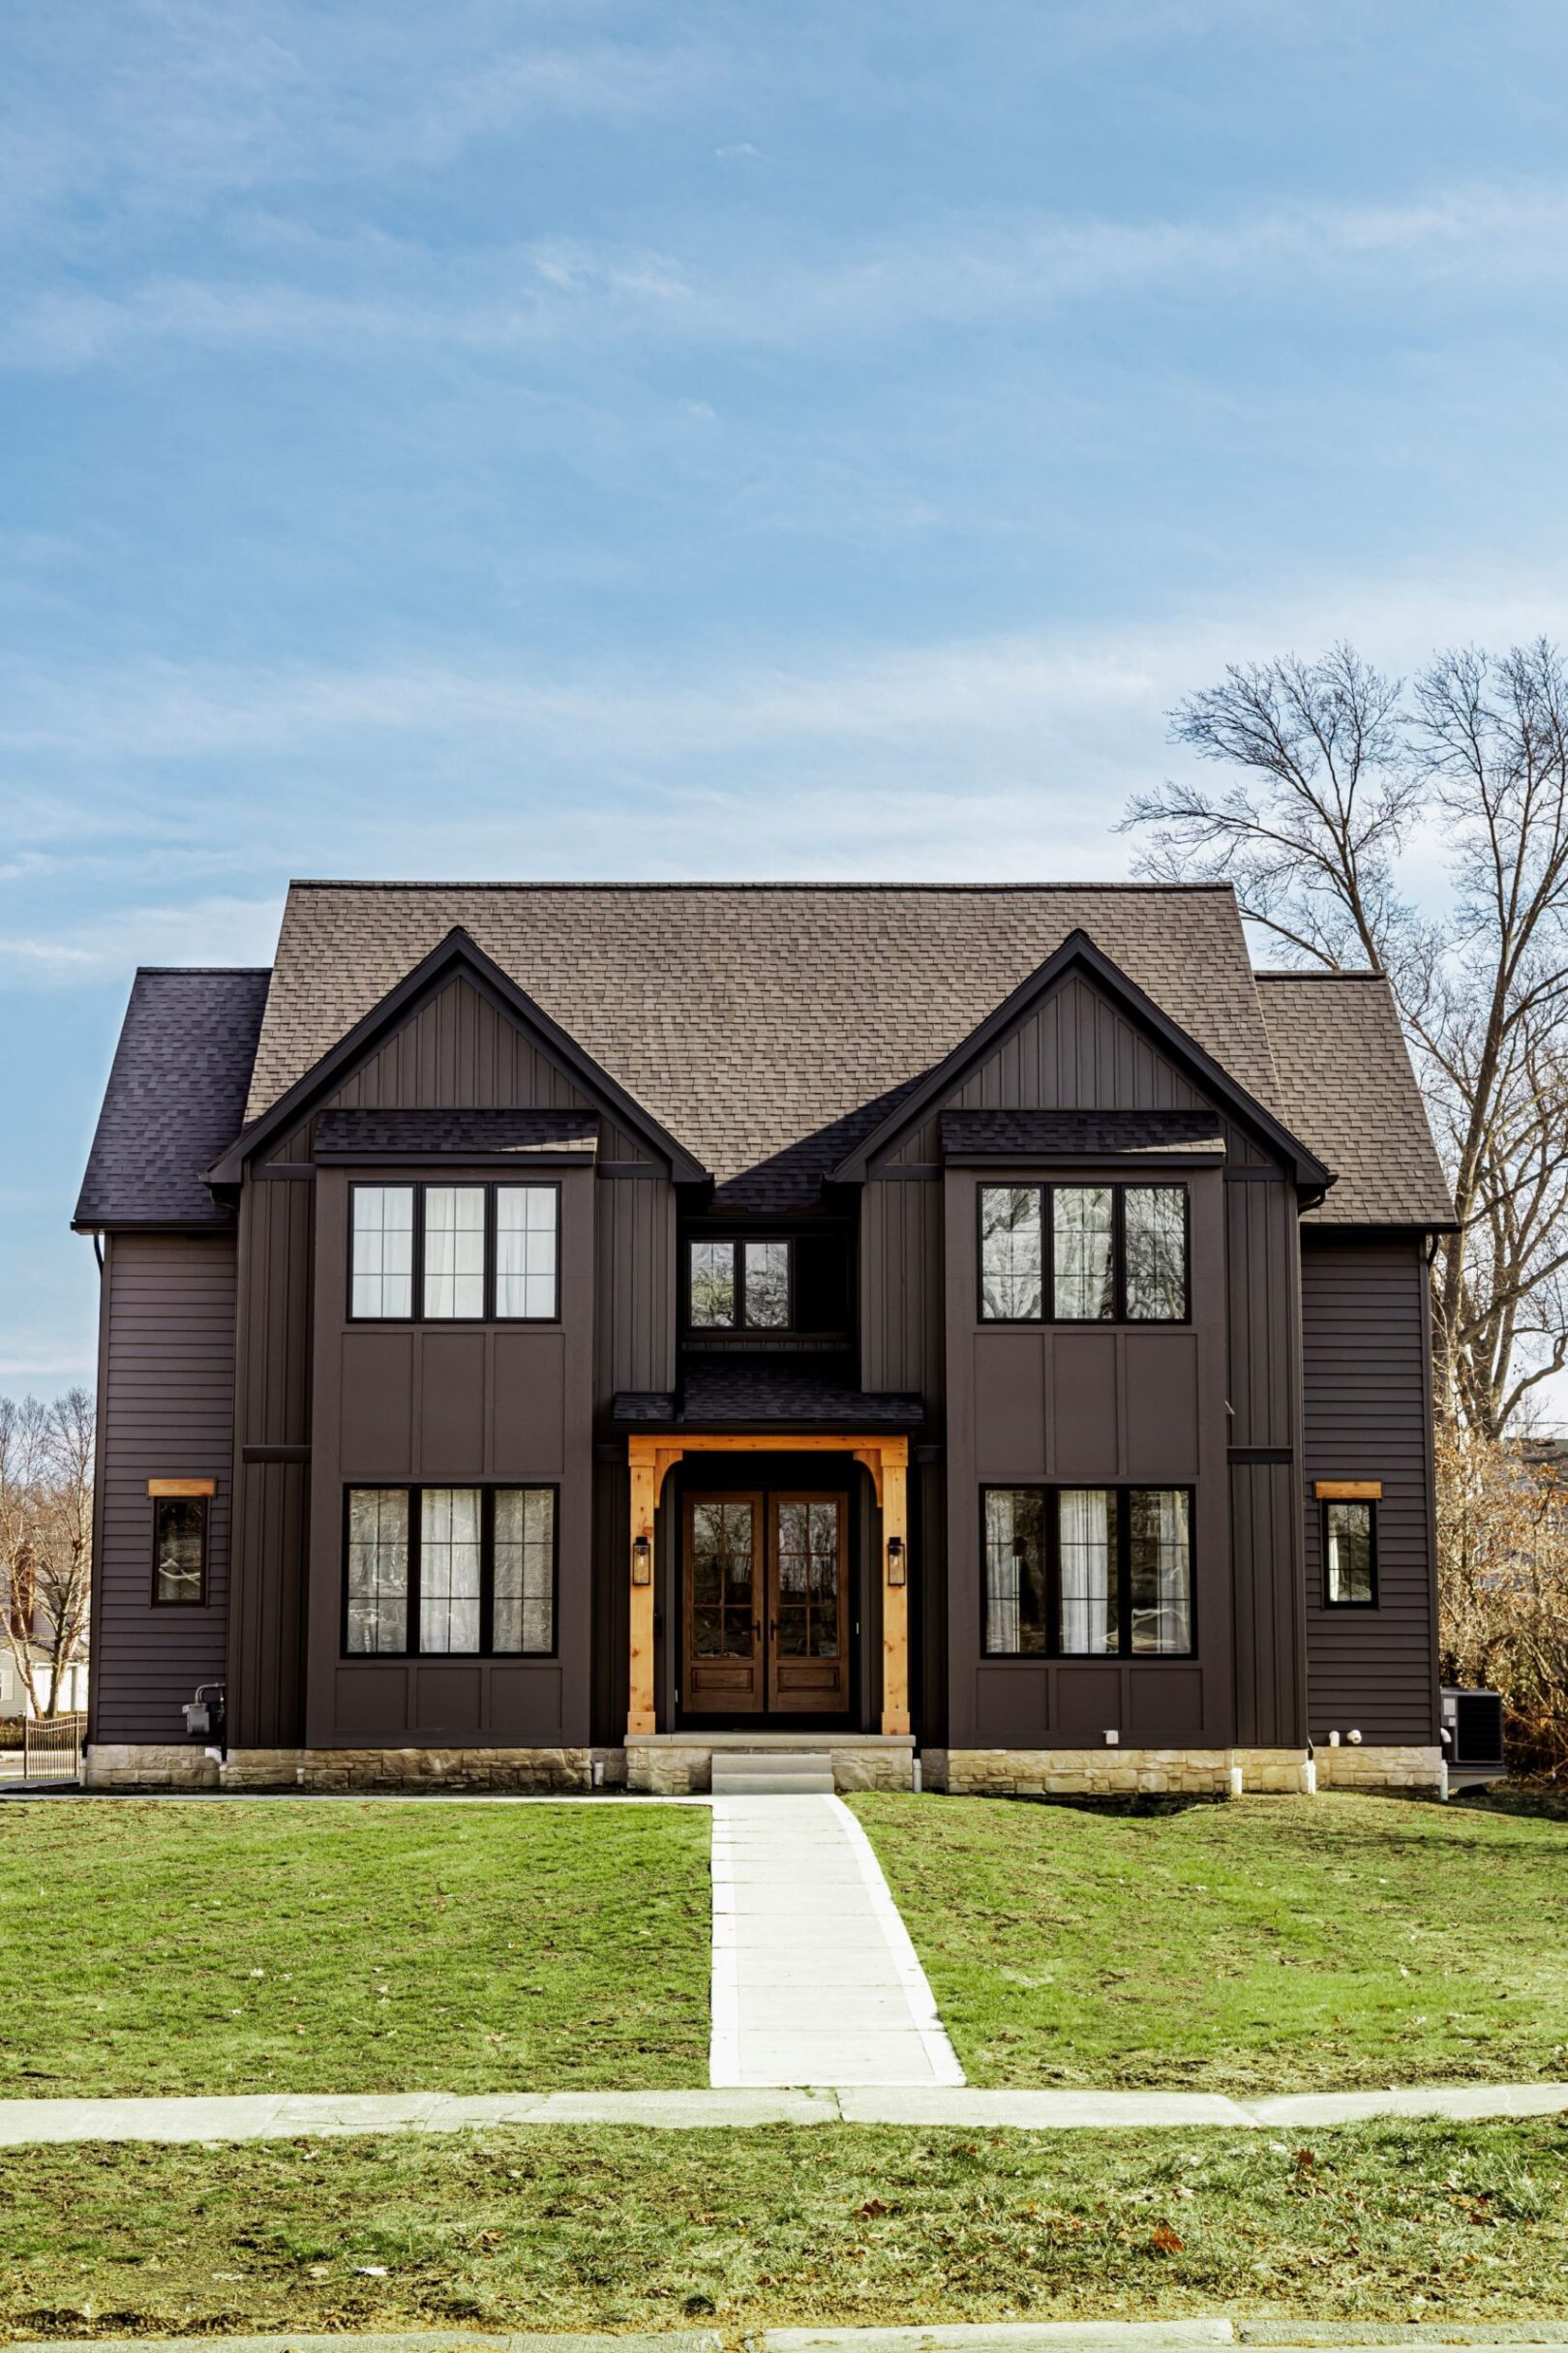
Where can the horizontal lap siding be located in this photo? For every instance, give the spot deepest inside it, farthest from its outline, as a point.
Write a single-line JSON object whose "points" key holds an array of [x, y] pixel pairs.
{"points": [[167, 1408], [1366, 1343]]}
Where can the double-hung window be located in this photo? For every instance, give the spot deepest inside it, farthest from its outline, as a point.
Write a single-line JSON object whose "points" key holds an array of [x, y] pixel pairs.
{"points": [[448, 1572], [1083, 1254], [454, 1252], [738, 1286], [1087, 1572]]}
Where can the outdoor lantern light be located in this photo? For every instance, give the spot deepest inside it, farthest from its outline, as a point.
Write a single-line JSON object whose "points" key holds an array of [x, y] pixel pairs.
{"points": [[895, 1560], [642, 1562]]}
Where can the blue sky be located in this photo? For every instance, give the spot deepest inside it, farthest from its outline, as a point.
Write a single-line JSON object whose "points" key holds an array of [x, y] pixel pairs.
{"points": [[540, 437]]}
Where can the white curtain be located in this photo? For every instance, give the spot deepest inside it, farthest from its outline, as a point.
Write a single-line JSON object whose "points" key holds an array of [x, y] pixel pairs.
{"points": [[1003, 1570], [1088, 1599]]}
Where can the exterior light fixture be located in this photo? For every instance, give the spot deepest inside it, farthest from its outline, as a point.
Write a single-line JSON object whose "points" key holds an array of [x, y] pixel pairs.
{"points": [[642, 1562], [895, 1560]]}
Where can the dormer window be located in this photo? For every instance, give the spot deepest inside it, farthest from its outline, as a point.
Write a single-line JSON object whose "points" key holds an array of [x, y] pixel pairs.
{"points": [[739, 1286], [1083, 1254]]}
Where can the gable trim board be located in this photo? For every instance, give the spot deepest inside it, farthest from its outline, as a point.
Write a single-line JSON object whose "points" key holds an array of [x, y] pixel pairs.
{"points": [[1079, 953], [456, 953]]}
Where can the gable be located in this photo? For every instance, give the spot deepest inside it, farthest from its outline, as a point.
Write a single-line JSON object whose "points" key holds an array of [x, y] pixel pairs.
{"points": [[457, 1033], [1073, 1050], [1078, 1035]]}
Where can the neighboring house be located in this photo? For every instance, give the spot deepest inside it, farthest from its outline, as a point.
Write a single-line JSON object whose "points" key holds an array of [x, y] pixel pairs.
{"points": [[15, 1700], [548, 1330]]}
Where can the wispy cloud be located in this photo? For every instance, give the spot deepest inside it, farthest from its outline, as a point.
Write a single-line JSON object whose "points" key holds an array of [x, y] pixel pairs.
{"points": [[380, 294]]}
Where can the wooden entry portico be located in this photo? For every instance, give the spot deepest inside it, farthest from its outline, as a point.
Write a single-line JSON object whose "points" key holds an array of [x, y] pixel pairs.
{"points": [[885, 1457]]}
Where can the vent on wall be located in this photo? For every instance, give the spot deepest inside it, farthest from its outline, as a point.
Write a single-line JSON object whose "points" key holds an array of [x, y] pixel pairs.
{"points": [[1473, 1732]]}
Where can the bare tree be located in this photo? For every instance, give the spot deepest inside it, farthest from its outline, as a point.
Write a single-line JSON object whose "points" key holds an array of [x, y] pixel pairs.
{"points": [[1337, 772], [46, 1539]]}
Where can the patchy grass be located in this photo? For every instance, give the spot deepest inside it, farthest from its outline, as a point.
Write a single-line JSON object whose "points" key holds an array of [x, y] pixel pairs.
{"points": [[316, 1945], [1270, 1944], [619, 2229]]}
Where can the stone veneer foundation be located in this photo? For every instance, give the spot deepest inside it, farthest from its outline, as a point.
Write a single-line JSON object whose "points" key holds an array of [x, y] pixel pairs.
{"points": [[665, 1767]]}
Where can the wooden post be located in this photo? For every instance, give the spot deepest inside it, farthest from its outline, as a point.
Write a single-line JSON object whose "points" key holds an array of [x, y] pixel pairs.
{"points": [[641, 1713], [894, 1598]]}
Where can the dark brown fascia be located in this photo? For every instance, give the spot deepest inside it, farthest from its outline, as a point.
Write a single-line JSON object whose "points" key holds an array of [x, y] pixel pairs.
{"points": [[457, 952], [1078, 949]]}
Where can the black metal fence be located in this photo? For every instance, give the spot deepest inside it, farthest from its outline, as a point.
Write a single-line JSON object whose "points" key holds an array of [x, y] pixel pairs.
{"points": [[51, 1748]]}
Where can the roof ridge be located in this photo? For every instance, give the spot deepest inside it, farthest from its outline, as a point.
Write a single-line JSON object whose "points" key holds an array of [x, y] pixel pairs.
{"points": [[1283, 972], [205, 972], [975, 890]]}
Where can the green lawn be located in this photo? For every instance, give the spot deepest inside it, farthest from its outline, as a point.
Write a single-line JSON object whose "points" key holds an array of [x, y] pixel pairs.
{"points": [[1274, 1943], [316, 1945], [619, 2229]]}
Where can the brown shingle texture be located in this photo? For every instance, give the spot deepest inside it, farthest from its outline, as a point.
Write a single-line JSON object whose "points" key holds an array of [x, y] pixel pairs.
{"points": [[769, 1026], [1347, 1090]]}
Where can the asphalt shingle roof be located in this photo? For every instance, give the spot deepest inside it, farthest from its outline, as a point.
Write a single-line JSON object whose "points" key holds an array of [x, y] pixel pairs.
{"points": [[176, 1097], [1347, 1090], [519, 1132], [769, 1026], [766, 1396]]}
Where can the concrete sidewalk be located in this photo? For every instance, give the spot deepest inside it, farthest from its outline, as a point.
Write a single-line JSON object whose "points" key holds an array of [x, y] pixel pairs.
{"points": [[962, 2107], [814, 1977]]}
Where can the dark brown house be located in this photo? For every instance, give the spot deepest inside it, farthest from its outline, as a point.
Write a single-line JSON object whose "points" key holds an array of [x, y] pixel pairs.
{"points": [[548, 1331]]}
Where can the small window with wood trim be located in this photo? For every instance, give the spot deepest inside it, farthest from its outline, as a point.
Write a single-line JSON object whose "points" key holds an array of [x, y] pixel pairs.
{"points": [[1350, 1555], [734, 1287], [179, 1549]]}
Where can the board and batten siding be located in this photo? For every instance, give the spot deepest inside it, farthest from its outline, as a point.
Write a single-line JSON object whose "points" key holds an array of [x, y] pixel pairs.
{"points": [[901, 1265], [1263, 1394], [1367, 1377], [635, 1286], [266, 1694], [167, 1363]]}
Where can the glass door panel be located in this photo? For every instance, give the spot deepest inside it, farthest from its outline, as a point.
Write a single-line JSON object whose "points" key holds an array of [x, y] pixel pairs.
{"points": [[807, 1664], [723, 1580]]}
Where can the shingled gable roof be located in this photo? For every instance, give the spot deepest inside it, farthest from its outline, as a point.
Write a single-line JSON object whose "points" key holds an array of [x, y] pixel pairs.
{"points": [[175, 1096], [1346, 1083], [455, 953], [769, 1026], [1079, 953]]}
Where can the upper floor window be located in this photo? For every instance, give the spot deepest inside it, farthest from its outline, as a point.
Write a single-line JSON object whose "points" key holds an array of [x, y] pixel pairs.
{"points": [[1083, 1254], [739, 1286], [1350, 1555], [463, 1251], [1088, 1572]]}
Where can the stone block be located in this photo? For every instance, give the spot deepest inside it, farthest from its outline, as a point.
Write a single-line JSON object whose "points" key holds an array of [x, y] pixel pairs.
{"points": [[1416, 1771]]}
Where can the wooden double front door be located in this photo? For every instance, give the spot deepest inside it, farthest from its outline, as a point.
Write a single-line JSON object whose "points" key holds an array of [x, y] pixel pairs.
{"points": [[765, 1605]]}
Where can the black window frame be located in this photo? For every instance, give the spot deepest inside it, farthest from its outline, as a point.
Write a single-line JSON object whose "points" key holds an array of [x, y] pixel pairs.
{"points": [[1047, 1188], [171, 1601], [420, 1187], [738, 1243], [488, 1490], [1048, 1490], [1351, 1503]]}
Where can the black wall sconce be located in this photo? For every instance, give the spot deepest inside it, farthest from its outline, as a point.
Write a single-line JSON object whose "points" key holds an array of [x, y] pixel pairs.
{"points": [[896, 1564], [642, 1562]]}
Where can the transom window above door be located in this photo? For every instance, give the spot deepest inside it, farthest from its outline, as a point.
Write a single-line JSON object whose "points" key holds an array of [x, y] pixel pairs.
{"points": [[1083, 1254], [454, 1252], [739, 1286]]}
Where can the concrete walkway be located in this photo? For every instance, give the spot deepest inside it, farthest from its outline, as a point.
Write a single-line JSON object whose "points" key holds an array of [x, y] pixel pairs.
{"points": [[960, 2107], [815, 1981]]}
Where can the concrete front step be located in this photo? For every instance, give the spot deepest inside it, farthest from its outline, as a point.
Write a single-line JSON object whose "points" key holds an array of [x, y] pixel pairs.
{"points": [[771, 1772], [736, 1779]]}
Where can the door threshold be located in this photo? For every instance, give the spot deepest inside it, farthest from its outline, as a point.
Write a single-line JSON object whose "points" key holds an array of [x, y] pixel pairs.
{"points": [[816, 1742]]}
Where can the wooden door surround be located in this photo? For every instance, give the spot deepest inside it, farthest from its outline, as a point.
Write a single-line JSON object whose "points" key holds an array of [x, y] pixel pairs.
{"points": [[763, 1605], [652, 1459]]}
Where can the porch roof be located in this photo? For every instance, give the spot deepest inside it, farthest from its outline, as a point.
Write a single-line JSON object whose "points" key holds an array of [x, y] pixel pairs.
{"points": [[764, 1398]]}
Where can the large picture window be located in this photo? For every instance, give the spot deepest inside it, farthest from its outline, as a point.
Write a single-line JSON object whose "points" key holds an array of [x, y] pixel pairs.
{"points": [[1083, 1254], [464, 1252], [738, 1286], [448, 1572], [1087, 1572]]}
